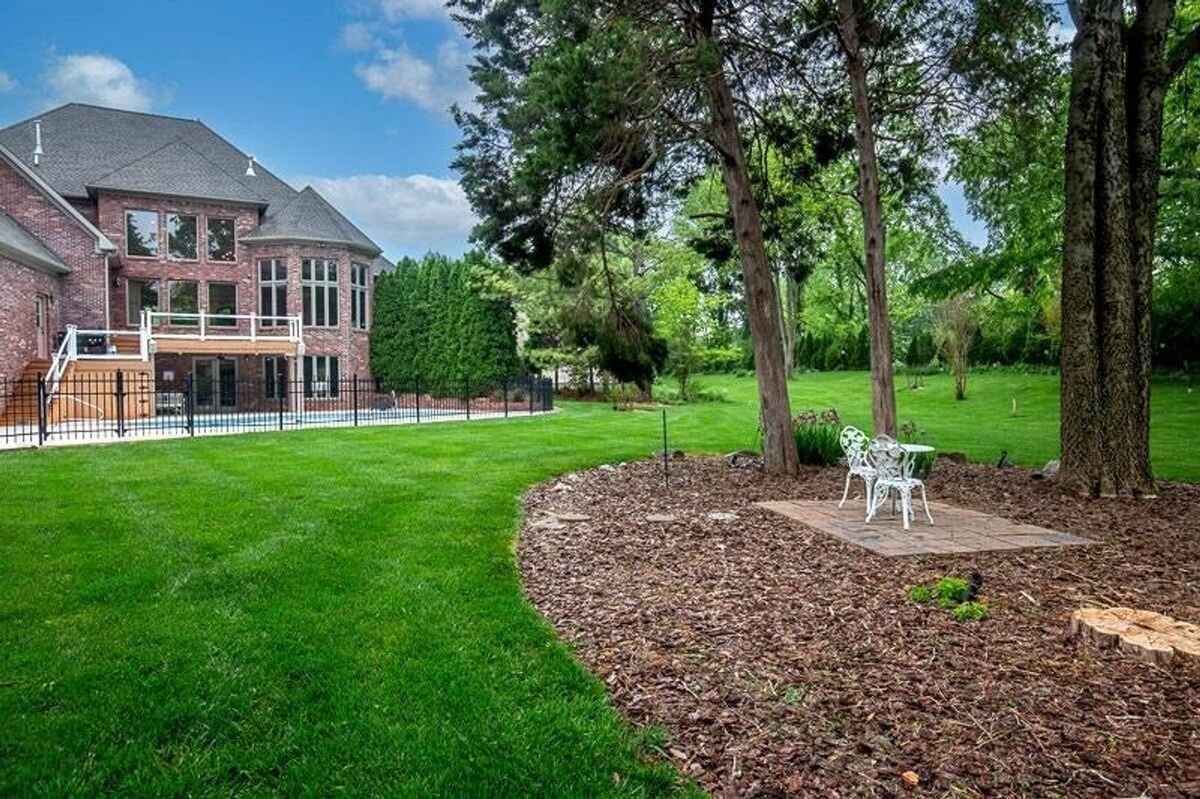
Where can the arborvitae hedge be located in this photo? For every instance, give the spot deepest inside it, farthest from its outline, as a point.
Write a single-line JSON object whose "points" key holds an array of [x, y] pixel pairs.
{"points": [[434, 325]]}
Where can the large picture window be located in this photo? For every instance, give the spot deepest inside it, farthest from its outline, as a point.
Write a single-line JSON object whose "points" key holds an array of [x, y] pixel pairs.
{"points": [[359, 282], [275, 376], [139, 294], [272, 289], [181, 237], [222, 239], [319, 290], [222, 300], [184, 298], [141, 234], [320, 376]]}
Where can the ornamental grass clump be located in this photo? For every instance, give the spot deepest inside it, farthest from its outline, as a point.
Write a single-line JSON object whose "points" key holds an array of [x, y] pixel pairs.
{"points": [[817, 437]]}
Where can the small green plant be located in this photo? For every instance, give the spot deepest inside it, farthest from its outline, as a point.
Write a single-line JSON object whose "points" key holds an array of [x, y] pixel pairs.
{"points": [[970, 611], [921, 594], [950, 591], [817, 437], [953, 594], [622, 396]]}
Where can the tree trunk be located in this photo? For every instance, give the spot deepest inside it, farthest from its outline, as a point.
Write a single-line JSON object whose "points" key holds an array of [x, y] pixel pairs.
{"points": [[883, 389], [762, 301], [789, 291], [1119, 78]]}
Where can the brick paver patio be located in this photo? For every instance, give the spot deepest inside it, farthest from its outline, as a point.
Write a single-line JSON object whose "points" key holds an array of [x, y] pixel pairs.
{"points": [[955, 530]]}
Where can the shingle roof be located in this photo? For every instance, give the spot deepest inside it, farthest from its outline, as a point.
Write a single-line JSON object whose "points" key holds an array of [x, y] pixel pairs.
{"points": [[381, 265], [87, 146], [22, 246], [309, 217], [178, 168]]}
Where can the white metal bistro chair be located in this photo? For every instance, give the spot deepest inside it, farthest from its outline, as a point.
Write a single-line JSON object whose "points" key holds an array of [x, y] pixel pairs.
{"points": [[854, 445], [893, 473]]}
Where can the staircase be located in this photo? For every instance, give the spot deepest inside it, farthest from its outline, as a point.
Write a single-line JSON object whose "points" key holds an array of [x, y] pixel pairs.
{"points": [[21, 406]]}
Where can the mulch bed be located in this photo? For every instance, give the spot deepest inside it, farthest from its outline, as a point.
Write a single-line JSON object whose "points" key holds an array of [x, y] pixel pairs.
{"points": [[782, 662]]}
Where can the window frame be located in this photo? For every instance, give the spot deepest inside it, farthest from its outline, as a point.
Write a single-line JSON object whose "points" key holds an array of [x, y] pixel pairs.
{"points": [[208, 256], [332, 380], [171, 320], [167, 216], [325, 288], [275, 283], [135, 320], [273, 387], [208, 303], [154, 256], [360, 316]]}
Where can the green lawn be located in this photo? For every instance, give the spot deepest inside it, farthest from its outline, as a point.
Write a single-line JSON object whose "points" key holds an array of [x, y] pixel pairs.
{"points": [[338, 610]]}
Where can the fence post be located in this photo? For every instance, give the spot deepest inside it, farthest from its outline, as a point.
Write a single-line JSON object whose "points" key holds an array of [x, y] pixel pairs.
{"points": [[354, 394], [120, 397], [41, 409], [189, 404], [506, 396], [467, 397], [417, 394], [281, 391]]}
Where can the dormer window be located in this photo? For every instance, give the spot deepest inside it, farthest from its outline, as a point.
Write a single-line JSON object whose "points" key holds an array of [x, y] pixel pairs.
{"points": [[181, 237], [141, 234]]}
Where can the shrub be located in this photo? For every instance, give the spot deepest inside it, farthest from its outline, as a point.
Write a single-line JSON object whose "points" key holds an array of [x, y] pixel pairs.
{"points": [[721, 360], [950, 591], [970, 611], [622, 396], [817, 437], [518, 395], [921, 594]]}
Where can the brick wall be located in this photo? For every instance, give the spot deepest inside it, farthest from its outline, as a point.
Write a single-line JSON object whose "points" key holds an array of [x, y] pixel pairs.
{"points": [[83, 291], [19, 285]]}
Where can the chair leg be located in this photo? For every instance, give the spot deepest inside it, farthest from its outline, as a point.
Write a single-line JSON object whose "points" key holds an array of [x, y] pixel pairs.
{"points": [[925, 504], [846, 492]]}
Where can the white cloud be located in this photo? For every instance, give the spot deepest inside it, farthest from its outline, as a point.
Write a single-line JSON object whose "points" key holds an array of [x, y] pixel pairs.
{"points": [[396, 73], [7, 84], [406, 215], [357, 36], [394, 10], [97, 78]]}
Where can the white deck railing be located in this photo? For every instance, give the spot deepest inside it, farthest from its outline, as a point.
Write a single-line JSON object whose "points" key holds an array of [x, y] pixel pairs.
{"points": [[227, 327]]}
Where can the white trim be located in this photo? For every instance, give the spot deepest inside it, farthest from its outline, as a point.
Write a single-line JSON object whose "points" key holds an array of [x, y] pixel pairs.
{"points": [[103, 244]]}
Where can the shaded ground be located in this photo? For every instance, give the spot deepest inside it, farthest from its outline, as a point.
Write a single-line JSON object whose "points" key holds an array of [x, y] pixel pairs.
{"points": [[781, 661]]}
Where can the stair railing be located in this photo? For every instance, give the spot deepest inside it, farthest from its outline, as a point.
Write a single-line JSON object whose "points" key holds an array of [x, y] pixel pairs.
{"points": [[58, 366]]}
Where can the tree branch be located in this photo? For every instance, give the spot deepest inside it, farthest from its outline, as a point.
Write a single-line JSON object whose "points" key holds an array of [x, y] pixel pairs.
{"points": [[1182, 54]]}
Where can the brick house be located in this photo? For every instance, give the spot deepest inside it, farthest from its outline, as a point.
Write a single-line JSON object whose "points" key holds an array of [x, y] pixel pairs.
{"points": [[151, 244]]}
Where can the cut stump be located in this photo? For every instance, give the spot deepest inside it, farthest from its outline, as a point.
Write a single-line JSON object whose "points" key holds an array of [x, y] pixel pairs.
{"points": [[1144, 634]]}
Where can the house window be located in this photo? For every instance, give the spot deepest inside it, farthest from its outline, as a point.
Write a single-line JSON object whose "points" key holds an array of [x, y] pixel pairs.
{"points": [[184, 298], [320, 376], [319, 289], [181, 237], [359, 276], [222, 239], [272, 290], [222, 300], [275, 376], [141, 234], [139, 295]]}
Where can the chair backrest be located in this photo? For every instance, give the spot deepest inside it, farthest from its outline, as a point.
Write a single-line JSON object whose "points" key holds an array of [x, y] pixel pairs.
{"points": [[887, 457], [854, 444]]}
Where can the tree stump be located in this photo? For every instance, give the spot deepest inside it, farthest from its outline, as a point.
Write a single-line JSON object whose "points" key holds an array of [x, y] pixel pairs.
{"points": [[1148, 636]]}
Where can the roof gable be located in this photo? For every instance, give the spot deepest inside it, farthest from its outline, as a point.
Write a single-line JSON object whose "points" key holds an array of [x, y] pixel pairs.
{"points": [[310, 217], [23, 247], [177, 168]]}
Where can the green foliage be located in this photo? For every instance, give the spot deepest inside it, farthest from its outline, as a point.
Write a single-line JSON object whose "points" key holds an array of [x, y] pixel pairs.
{"points": [[817, 437], [921, 594], [697, 392], [970, 611], [923, 462], [948, 592], [436, 322]]}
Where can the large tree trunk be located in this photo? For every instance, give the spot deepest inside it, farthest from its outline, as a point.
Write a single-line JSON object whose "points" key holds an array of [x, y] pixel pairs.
{"points": [[762, 301], [1119, 78], [883, 389], [789, 305]]}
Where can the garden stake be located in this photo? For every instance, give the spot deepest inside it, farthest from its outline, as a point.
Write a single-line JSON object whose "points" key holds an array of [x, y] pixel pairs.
{"points": [[666, 458]]}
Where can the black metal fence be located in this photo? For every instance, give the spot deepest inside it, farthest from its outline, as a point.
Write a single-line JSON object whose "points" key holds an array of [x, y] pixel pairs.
{"points": [[117, 405]]}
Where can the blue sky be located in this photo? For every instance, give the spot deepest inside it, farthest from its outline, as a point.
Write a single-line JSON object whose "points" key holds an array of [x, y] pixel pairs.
{"points": [[348, 95]]}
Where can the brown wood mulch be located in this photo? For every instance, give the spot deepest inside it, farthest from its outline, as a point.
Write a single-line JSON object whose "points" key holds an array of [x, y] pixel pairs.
{"points": [[783, 662]]}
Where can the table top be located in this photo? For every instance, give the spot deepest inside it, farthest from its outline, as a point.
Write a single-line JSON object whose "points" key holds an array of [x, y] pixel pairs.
{"points": [[916, 448]]}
